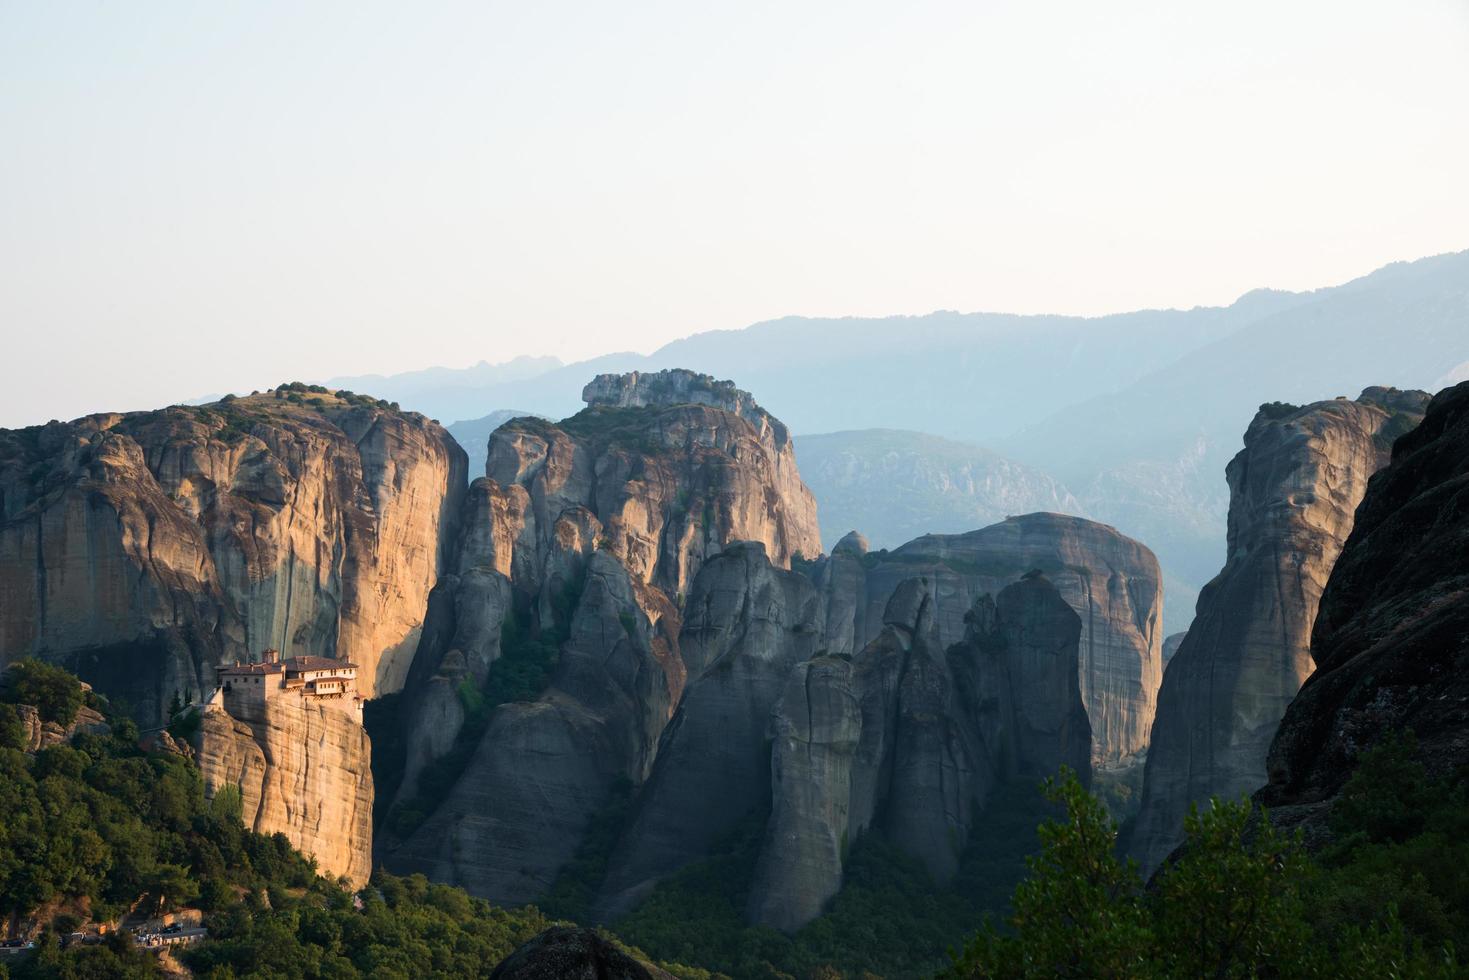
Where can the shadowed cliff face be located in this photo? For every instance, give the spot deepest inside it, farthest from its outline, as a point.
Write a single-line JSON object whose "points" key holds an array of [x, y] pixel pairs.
{"points": [[1391, 640], [142, 549], [1112, 582], [592, 531], [905, 739], [1294, 489]]}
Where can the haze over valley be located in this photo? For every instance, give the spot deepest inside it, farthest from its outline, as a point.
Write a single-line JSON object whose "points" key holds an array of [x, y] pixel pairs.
{"points": [[652, 491]]}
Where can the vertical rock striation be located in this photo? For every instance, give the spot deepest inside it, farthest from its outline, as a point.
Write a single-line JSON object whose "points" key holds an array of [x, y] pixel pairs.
{"points": [[816, 727], [142, 549], [1112, 582], [303, 769], [747, 625], [908, 741], [1391, 638], [594, 532], [1294, 489]]}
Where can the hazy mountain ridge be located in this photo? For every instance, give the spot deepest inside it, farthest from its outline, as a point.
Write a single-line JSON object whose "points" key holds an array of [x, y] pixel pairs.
{"points": [[894, 485], [1135, 413]]}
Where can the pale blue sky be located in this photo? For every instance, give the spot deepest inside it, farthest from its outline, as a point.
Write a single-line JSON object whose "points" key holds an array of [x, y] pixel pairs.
{"points": [[200, 197]]}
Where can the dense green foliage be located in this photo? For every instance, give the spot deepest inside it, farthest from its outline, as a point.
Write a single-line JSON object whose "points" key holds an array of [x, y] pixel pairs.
{"points": [[98, 824], [406, 928], [889, 919], [1243, 900], [53, 692], [96, 828], [1278, 410]]}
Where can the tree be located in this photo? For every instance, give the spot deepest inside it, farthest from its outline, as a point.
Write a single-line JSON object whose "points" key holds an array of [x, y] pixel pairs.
{"points": [[54, 693], [1079, 913], [1230, 906]]}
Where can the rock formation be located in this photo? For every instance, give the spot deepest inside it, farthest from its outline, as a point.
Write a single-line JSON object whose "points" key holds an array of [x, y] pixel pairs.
{"points": [[567, 953], [40, 734], [747, 625], [904, 739], [139, 550], [541, 769], [1391, 638], [1112, 582], [593, 532], [816, 724], [303, 769], [1294, 489], [679, 387], [1171, 643], [1017, 668]]}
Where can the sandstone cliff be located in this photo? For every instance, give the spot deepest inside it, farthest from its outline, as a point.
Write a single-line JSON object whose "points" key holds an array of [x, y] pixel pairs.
{"points": [[1294, 489], [747, 624], [142, 549], [1112, 582], [589, 534], [303, 769], [680, 387], [907, 740], [816, 727], [1389, 642]]}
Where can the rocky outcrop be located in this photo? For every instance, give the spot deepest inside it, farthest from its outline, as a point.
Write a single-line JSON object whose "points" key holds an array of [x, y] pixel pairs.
{"points": [[568, 953], [39, 734], [1294, 489], [816, 727], [592, 531], [1112, 582], [1171, 643], [677, 387], [908, 741], [303, 769], [542, 768], [1017, 667], [140, 550], [1391, 638], [739, 480], [747, 624]]}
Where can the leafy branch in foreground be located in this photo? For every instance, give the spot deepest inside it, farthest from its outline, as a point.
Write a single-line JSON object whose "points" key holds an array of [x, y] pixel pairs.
{"points": [[1235, 902]]}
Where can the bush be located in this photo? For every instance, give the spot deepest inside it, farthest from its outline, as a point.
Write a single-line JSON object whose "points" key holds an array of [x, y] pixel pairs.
{"points": [[1240, 900], [54, 693]]}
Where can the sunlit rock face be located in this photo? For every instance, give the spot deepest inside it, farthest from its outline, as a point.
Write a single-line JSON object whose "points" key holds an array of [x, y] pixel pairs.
{"points": [[1389, 638], [1111, 581], [303, 768], [1294, 491], [143, 549]]}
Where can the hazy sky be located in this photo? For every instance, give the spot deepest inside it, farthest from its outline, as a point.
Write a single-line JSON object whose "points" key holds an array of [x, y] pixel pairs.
{"points": [[198, 197]]}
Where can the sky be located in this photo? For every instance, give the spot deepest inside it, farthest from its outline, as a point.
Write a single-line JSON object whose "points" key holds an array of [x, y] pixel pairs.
{"points": [[198, 198]]}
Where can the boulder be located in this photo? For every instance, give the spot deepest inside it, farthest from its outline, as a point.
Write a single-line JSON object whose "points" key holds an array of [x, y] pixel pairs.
{"points": [[568, 953]]}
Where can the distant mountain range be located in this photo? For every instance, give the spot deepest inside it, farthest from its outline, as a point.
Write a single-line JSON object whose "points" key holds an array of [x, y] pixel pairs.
{"points": [[1133, 415], [894, 485]]}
